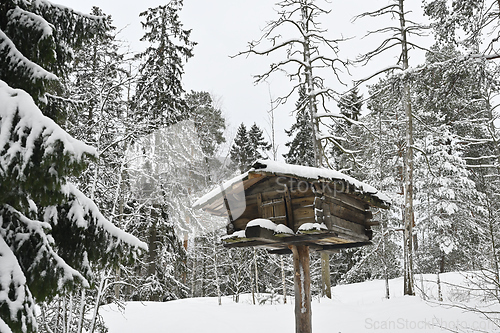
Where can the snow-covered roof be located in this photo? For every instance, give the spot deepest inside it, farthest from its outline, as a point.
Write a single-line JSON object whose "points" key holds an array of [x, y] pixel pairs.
{"points": [[295, 171]]}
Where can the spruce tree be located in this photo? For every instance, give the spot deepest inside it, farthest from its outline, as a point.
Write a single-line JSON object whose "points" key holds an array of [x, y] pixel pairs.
{"points": [[51, 235], [350, 104], [248, 146], [37, 43], [240, 150], [159, 98], [208, 120], [259, 146], [301, 148]]}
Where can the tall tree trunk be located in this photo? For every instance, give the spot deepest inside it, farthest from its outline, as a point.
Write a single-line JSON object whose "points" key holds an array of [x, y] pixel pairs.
{"points": [[70, 315], [382, 213], [152, 239], [100, 290], [283, 279], [302, 286], [384, 259], [193, 270], [82, 310], [216, 273], [440, 294], [256, 272], [318, 149], [408, 169], [252, 285]]}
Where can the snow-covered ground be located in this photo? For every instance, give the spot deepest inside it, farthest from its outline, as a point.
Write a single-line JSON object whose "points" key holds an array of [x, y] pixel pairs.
{"points": [[359, 307]]}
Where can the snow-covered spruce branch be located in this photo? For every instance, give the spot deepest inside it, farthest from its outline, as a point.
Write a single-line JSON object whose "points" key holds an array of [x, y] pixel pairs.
{"points": [[82, 206], [18, 60], [480, 166], [32, 20], [481, 157], [491, 56], [46, 5], [38, 229]]}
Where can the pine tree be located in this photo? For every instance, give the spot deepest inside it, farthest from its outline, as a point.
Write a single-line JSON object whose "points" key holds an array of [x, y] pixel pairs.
{"points": [[208, 121], [400, 36], [452, 185]]}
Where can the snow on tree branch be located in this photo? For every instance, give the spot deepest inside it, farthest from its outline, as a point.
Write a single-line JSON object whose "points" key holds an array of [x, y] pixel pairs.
{"points": [[20, 304], [82, 207], [15, 60], [23, 127]]}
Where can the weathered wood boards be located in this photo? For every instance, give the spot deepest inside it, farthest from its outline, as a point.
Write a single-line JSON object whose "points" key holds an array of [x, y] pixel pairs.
{"points": [[320, 208], [302, 288]]}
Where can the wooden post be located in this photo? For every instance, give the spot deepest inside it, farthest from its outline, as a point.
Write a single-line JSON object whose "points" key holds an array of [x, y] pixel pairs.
{"points": [[326, 285], [302, 283]]}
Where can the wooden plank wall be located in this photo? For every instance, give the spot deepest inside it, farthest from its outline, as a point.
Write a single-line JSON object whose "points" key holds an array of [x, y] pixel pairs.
{"points": [[288, 201]]}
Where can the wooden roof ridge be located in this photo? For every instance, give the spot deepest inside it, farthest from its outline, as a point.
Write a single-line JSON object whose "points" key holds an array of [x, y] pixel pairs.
{"points": [[261, 169], [312, 174]]}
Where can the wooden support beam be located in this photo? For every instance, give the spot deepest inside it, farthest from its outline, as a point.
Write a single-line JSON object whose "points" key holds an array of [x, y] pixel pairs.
{"points": [[335, 247], [302, 287]]}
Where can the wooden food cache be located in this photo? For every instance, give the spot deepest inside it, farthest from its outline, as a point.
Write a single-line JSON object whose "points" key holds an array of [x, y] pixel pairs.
{"points": [[275, 205]]}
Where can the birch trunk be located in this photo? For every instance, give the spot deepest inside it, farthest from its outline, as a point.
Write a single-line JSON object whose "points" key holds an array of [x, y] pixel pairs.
{"points": [[100, 290]]}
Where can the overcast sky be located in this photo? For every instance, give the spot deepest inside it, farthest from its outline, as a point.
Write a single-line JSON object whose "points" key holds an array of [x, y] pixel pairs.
{"points": [[223, 28]]}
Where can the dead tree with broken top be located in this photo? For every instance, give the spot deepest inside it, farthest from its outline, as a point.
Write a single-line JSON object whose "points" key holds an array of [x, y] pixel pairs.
{"points": [[307, 57]]}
